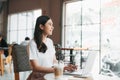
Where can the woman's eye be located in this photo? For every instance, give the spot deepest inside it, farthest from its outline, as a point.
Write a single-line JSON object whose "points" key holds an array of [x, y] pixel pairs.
{"points": [[50, 24]]}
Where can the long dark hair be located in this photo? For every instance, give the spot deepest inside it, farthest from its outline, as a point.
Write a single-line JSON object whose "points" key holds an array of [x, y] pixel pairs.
{"points": [[38, 33]]}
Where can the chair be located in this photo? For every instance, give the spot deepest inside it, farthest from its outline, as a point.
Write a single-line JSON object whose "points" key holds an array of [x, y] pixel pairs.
{"points": [[4, 60], [20, 60], [8, 59], [1, 62]]}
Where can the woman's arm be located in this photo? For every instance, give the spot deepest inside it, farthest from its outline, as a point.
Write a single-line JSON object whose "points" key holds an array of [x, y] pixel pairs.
{"points": [[69, 67], [36, 67]]}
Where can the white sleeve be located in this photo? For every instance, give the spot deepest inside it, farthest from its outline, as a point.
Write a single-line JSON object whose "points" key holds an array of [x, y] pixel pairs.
{"points": [[32, 50]]}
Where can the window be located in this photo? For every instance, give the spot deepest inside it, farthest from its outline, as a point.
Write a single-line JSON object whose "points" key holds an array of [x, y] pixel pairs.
{"points": [[81, 28], [96, 27], [21, 25], [110, 26]]}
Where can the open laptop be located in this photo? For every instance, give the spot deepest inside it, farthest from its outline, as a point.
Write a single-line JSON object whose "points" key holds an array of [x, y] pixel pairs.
{"points": [[88, 67]]}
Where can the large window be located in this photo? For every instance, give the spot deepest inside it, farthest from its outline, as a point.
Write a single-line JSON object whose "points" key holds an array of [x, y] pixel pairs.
{"points": [[110, 26], [95, 27], [82, 28], [21, 25]]}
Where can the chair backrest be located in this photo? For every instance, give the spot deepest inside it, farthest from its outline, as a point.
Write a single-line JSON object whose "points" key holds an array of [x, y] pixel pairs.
{"points": [[20, 58]]}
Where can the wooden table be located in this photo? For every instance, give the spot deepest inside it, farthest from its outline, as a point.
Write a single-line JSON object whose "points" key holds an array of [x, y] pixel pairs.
{"points": [[66, 77]]}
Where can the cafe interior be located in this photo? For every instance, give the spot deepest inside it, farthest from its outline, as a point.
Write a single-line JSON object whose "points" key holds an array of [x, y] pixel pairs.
{"points": [[86, 33]]}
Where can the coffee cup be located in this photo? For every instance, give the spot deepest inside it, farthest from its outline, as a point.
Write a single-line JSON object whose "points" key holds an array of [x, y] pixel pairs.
{"points": [[58, 70]]}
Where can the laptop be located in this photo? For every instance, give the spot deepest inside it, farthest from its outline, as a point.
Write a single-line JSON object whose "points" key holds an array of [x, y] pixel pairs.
{"points": [[86, 72]]}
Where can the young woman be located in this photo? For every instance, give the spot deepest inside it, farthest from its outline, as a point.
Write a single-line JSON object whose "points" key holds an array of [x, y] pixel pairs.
{"points": [[41, 50]]}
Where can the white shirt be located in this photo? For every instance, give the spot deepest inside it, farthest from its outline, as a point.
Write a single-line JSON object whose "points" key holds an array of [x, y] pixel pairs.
{"points": [[44, 59]]}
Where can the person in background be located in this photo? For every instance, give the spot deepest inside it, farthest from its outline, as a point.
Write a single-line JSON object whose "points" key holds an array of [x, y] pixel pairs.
{"points": [[25, 43], [42, 51], [3, 43]]}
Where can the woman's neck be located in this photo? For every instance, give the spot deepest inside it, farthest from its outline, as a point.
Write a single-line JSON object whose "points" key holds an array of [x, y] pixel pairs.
{"points": [[44, 38]]}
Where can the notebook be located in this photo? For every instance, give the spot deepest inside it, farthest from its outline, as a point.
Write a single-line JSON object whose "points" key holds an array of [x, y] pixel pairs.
{"points": [[88, 67]]}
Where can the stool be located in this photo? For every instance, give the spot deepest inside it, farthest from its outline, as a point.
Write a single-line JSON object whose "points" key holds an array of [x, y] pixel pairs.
{"points": [[1, 62]]}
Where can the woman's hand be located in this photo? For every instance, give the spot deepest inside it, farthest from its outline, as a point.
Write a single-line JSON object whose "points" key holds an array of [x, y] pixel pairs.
{"points": [[70, 67]]}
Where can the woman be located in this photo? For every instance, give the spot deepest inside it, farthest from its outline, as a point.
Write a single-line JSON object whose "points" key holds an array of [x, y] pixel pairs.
{"points": [[41, 50]]}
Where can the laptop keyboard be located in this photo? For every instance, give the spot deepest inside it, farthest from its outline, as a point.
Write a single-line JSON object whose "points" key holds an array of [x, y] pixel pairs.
{"points": [[79, 74]]}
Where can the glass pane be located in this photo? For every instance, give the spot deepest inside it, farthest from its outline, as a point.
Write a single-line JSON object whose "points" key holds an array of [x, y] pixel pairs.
{"points": [[8, 27], [13, 20], [73, 11], [73, 36], [36, 13], [30, 20], [8, 37], [110, 55], [22, 20], [90, 36], [13, 36], [82, 27], [23, 23], [93, 6], [21, 36], [90, 12]]}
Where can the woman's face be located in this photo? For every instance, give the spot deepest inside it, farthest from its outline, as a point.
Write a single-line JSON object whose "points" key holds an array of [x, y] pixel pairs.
{"points": [[48, 28]]}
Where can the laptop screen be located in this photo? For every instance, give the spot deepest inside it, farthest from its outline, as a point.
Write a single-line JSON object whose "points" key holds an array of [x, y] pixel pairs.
{"points": [[89, 62]]}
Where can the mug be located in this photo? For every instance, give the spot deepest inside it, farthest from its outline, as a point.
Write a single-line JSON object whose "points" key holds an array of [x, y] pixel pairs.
{"points": [[58, 73]]}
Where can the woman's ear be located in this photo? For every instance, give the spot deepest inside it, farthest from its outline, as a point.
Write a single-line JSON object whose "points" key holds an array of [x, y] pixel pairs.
{"points": [[41, 27]]}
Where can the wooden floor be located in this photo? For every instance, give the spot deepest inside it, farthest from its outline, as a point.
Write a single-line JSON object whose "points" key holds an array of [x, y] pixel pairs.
{"points": [[10, 76], [7, 75]]}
